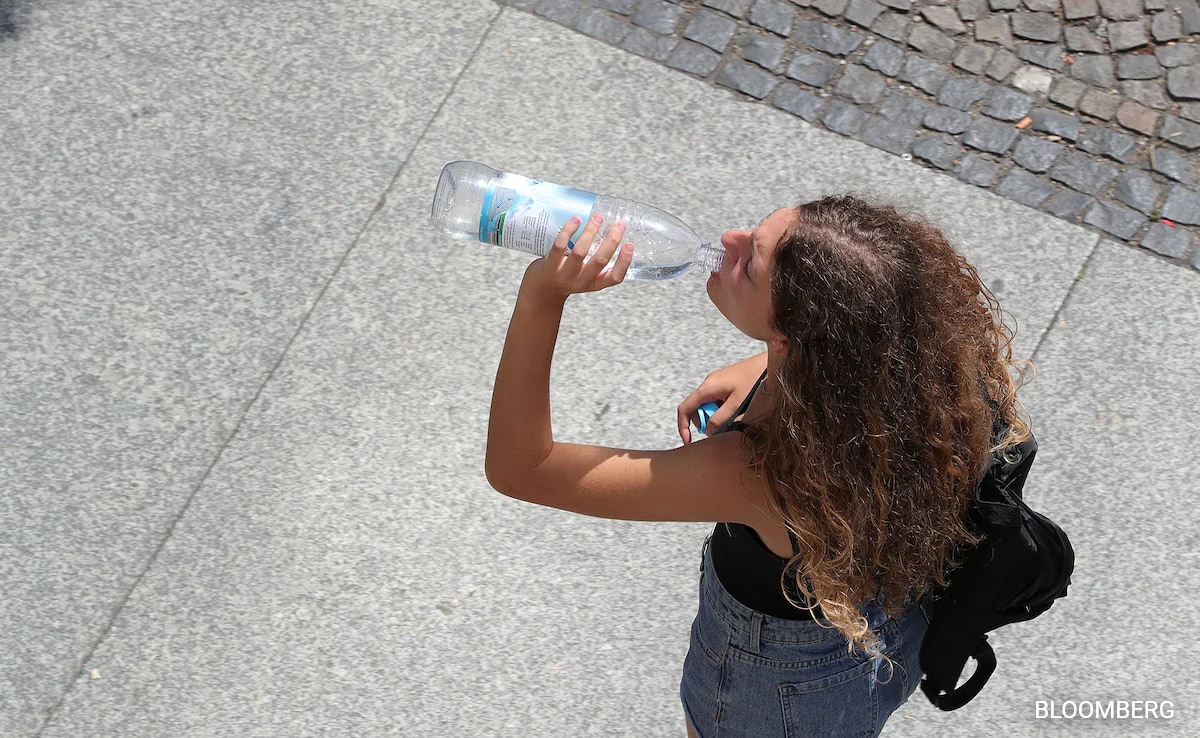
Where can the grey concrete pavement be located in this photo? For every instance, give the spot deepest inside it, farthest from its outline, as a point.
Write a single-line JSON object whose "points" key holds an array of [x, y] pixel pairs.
{"points": [[322, 554]]}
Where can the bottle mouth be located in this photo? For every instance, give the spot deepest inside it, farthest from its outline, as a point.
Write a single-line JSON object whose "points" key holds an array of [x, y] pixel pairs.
{"points": [[712, 256]]}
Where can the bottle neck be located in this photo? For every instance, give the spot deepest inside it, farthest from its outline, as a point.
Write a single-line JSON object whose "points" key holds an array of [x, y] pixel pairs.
{"points": [[711, 256]]}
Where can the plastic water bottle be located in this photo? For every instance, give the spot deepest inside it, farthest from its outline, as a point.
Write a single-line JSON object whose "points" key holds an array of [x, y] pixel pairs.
{"points": [[474, 202]]}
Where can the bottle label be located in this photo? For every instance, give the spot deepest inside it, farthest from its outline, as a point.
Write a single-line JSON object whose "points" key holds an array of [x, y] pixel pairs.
{"points": [[526, 214]]}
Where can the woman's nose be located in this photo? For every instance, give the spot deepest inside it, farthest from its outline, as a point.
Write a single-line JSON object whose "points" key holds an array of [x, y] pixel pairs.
{"points": [[735, 238]]}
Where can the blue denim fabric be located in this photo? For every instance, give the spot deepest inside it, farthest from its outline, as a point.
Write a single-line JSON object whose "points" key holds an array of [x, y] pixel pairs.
{"points": [[750, 674]]}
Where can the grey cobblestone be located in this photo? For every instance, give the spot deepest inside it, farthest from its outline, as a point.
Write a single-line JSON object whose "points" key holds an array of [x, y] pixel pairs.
{"points": [[600, 25], [797, 101], [1115, 218], [1137, 190], [891, 25], [994, 29], [1182, 133], [947, 120], [658, 16], [812, 69], [1163, 239], [736, 8], [861, 85], [1077, 9], [990, 136], [1120, 9], [649, 44], [974, 58], [1003, 103], [886, 57], [1048, 56], [1165, 27], [832, 8], [945, 18], [1055, 123], [694, 58], [1067, 204], [904, 108], [827, 37], [1149, 94], [745, 77], [1025, 188], [773, 15], [1095, 69], [974, 169], [844, 118], [714, 30], [863, 12], [1081, 173], [1182, 206], [1169, 163], [962, 93], [1067, 92], [1100, 104], [1106, 142], [938, 149], [1036, 26], [924, 74], [763, 49], [931, 42], [559, 11], [886, 134], [904, 5], [1138, 66], [1178, 55], [1032, 80], [624, 7], [970, 10], [1080, 38], [1036, 154], [1127, 35], [1183, 83]]}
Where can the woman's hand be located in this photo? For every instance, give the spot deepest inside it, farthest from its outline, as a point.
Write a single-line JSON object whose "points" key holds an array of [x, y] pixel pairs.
{"points": [[727, 387], [565, 270]]}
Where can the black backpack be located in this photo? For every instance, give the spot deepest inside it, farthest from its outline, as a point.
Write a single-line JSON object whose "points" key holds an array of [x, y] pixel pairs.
{"points": [[1020, 568]]}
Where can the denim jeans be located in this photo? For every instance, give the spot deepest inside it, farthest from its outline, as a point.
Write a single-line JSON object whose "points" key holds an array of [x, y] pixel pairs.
{"points": [[754, 675]]}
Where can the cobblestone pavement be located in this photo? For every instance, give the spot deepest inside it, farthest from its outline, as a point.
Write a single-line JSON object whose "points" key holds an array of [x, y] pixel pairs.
{"points": [[1086, 109]]}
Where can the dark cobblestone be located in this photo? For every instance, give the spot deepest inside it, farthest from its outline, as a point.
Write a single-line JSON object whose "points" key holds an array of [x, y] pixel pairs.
{"points": [[624, 7], [886, 134], [863, 12], [886, 57], [990, 136], [1127, 35], [1025, 188], [1182, 206], [945, 18], [963, 93], [1137, 190], [947, 120], [1048, 56], [1163, 239], [1067, 204], [773, 15], [1180, 132], [714, 30], [1149, 94], [931, 42], [832, 8], [904, 108], [1107, 142], [649, 44], [600, 25], [799, 102], [827, 37], [559, 11], [1055, 123], [1079, 38], [694, 58], [994, 30], [1096, 70], [1168, 162], [924, 74], [658, 16], [812, 69], [861, 85], [974, 169], [745, 77], [974, 58], [763, 49], [970, 10], [1100, 104], [1165, 27], [1178, 55], [1076, 9], [1036, 26], [1003, 103], [844, 118], [1138, 66], [1036, 154], [1120, 9], [1115, 218], [1079, 172], [1067, 92], [736, 8], [891, 25], [938, 149], [1004, 63]]}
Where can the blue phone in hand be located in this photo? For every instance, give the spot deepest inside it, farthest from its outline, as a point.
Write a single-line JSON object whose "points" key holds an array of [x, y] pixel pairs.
{"points": [[706, 411]]}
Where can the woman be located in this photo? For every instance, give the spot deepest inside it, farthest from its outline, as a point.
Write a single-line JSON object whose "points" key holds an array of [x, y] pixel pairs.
{"points": [[841, 496]]}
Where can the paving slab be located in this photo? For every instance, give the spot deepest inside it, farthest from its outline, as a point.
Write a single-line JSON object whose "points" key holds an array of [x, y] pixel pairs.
{"points": [[180, 181], [346, 569]]}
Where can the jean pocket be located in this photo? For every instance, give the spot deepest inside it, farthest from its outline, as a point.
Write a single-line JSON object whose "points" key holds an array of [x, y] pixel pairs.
{"points": [[845, 703]]}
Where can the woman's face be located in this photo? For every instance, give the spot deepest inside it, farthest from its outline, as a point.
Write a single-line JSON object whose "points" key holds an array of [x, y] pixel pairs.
{"points": [[742, 289]]}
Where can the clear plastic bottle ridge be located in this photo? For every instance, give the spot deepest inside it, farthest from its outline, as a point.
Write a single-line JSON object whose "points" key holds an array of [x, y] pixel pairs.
{"points": [[475, 202]]}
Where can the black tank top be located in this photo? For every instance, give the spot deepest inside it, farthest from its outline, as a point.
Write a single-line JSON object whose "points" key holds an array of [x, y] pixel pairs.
{"points": [[747, 569]]}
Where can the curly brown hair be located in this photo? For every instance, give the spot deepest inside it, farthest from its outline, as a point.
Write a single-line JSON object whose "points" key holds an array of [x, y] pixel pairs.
{"points": [[896, 370]]}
